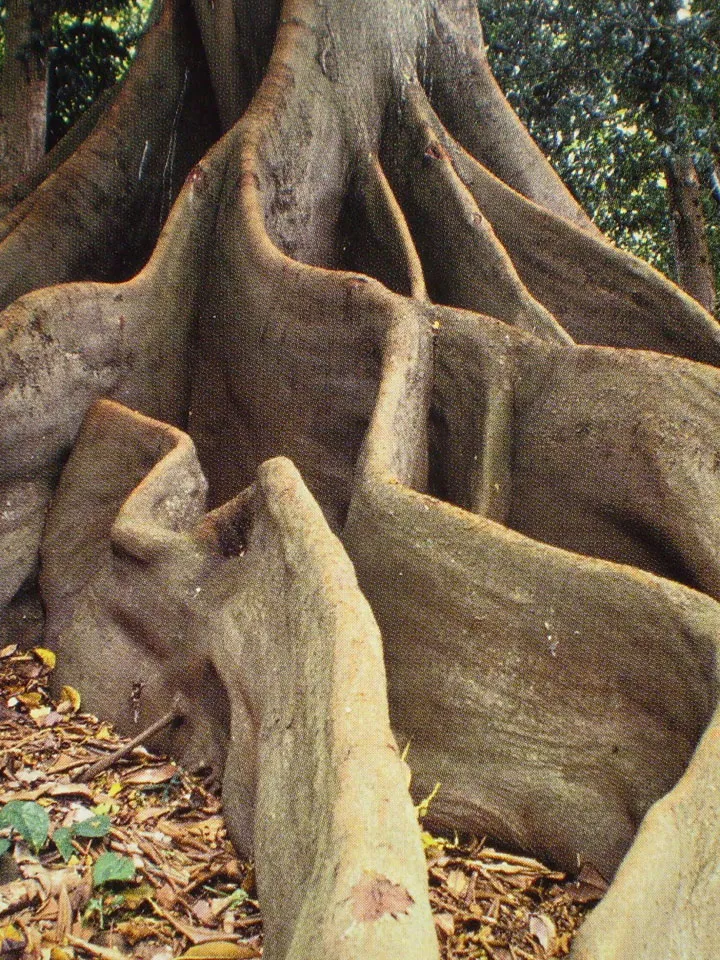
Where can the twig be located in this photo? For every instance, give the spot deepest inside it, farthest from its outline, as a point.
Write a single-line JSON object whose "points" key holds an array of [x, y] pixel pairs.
{"points": [[105, 953], [170, 718], [195, 935]]}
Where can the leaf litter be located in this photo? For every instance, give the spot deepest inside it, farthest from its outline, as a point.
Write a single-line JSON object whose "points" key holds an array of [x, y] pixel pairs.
{"points": [[136, 862]]}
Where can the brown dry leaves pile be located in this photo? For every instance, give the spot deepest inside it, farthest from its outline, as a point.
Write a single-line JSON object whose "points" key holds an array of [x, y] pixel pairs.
{"points": [[190, 896]]}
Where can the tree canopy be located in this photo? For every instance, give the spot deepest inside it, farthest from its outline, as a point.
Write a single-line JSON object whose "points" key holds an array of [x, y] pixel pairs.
{"points": [[612, 92]]}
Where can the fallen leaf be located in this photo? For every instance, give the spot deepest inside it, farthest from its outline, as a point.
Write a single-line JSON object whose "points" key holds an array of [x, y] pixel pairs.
{"points": [[63, 925], [374, 895], [46, 656], [8, 651], [57, 953], [543, 929], [589, 886], [40, 715], [445, 923], [202, 910], [220, 950], [31, 699], [166, 896], [12, 941], [457, 883], [150, 775], [69, 700]]}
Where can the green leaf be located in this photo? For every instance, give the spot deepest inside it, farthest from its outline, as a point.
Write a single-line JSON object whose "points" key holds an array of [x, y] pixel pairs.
{"points": [[62, 838], [4, 846], [237, 897], [29, 819], [97, 826], [109, 866]]}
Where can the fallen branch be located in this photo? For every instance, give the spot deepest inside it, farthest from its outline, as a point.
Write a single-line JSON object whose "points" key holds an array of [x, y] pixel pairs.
{"points": [[174, 716]]}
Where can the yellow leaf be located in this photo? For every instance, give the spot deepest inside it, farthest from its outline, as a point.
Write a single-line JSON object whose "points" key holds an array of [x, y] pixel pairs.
{"points": [[103, 733], [430, 842], [31, 699], [47, 657], [69, 696], [57, 953], [12, 939], [220, 950], [39, 713], [114, 789]]}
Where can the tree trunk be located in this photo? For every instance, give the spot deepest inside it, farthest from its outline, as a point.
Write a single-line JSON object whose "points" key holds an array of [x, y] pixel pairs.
{"points": [[23, 90], [379, 377], [693, 263]]}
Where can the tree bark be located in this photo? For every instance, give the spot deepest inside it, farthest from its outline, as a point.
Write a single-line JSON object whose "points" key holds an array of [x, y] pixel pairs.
{"points": [[23, 90], [379, 371], [693, 262]]}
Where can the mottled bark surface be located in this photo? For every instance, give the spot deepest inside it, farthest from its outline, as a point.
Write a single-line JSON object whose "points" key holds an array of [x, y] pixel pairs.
{"points": [[23, 89], [510, 425], [693, 262]]}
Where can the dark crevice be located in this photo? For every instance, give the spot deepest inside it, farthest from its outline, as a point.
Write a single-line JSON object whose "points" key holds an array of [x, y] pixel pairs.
{"points": [[365, 248], [439, 462]]}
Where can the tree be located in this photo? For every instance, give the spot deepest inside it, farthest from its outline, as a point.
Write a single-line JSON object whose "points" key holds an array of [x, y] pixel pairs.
{"points": [[509, 423], [56, 58], [23, 87], [623, 97]]}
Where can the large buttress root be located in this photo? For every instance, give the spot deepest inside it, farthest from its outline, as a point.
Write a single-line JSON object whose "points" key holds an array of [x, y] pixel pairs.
{"points": [[98, 214], [64, 347], [254, 607], [534, 522]]}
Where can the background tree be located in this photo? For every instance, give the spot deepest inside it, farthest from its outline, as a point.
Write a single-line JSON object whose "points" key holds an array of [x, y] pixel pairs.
{"points": [[623, 98], [55, 61], [506, 423]]}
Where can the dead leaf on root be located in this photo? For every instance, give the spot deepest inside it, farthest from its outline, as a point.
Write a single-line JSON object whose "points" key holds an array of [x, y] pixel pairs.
{"points": [[374, 896]]}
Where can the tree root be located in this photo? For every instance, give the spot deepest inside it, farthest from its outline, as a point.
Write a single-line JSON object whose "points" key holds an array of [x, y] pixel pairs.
{"points": [[533, 522]]}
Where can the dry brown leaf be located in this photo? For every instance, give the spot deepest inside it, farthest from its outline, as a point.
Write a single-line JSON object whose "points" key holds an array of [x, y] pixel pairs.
{"points": [[18, 894], [221, 950], [374, 895], [457, 882], [12, 941], [63, 925], [8, 651], [32, 700], [166, 896], [542, 927], [589, 886], [57, 953], [202, 910], [150, 775]]}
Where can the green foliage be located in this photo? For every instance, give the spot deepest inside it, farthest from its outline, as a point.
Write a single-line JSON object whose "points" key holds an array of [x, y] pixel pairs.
{"points": [[97, 826], [62, 838], [111, 867], [87, 46], [611, 90], [28, 819], [92, 45]]}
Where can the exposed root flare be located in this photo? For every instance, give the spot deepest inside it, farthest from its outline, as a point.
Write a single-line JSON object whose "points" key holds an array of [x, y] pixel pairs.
{"points": [[466, 265], [534, 523], [99, 212]]}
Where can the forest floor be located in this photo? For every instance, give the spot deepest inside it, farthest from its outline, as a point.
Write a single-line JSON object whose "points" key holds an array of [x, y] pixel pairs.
{"points": [[134, 862]]}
